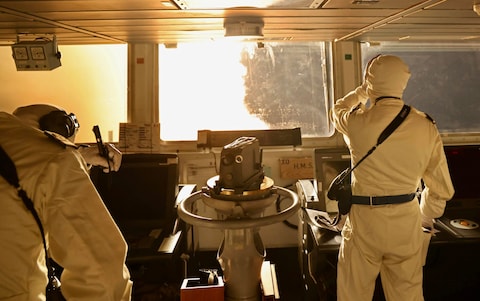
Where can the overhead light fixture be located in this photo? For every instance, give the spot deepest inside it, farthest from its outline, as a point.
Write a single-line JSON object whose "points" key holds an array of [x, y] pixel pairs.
{"points": [[40, 54], [170, 45], [244, 28], [476, 8], [367, 2]]}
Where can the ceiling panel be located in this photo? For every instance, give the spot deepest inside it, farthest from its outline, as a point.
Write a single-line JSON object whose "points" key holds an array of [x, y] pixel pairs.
{"points": [[369, 4], [146, 21]]}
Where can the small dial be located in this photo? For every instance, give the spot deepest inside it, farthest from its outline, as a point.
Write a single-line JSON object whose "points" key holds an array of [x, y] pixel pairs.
{"points": [[20, 53], [37, 53]]}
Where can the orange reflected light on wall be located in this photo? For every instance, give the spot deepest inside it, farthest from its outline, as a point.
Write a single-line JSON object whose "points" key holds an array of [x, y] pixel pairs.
{"points": [[92, 83]]}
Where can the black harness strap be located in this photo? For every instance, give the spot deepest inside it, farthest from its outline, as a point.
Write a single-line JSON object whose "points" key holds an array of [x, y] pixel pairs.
{"points": [[9, 172], [384, 135]]}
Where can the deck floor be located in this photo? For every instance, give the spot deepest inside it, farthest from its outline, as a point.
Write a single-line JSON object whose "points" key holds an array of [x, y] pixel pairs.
{"points": [[285, 260]]}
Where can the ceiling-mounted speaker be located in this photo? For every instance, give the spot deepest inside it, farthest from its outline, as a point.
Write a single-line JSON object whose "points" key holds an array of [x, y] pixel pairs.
{"points": [[248, 27], [40, 54], [476, 8]]}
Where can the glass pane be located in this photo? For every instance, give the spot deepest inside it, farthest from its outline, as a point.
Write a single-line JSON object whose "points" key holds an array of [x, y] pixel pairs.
{"points": [[92, 83], [235, 86], [443, 84]]}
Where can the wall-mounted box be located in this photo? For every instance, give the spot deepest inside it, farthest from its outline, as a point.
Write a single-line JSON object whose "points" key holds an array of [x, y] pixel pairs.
{"points": [[38, 55]]}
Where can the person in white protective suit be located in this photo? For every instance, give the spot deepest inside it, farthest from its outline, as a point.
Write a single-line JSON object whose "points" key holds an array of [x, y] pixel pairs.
{"points": [[80, 233], [388, 236]]}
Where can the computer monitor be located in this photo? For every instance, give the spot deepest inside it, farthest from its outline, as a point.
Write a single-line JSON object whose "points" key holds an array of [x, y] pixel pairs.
{"points": [[464, 166], [141, 194], [328, 164]]}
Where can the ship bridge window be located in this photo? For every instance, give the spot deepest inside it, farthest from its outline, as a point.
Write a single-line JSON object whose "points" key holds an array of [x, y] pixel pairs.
{"points": [[444, 81], [225, 85]]}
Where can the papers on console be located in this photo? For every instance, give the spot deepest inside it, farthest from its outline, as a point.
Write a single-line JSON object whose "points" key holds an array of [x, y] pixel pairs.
{"points": [[324, 220]]}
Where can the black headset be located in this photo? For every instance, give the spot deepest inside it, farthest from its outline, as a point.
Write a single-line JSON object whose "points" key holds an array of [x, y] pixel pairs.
{"points": [[59, 122]]}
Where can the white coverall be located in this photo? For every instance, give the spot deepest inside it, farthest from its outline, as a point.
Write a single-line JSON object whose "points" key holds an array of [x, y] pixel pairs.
{"points": [[388, 239], [81, 235]]}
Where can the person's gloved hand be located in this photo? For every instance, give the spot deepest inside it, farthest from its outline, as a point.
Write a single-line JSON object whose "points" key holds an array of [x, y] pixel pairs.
{"points": [[427, 223], [361, 91], [92, 157], [114, 156]]}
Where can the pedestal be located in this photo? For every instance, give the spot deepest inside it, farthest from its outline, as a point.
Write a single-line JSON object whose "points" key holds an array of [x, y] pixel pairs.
{"points": [[241, 256]]}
